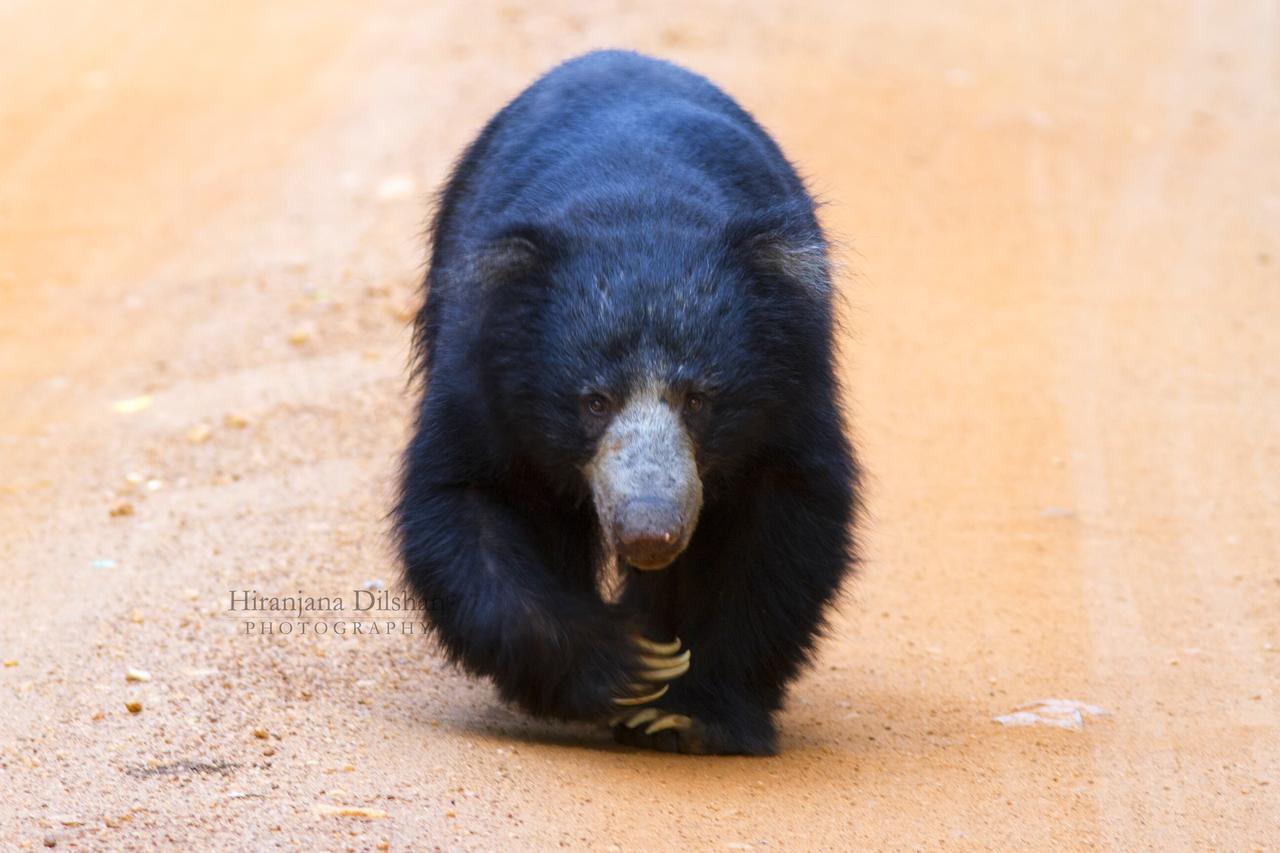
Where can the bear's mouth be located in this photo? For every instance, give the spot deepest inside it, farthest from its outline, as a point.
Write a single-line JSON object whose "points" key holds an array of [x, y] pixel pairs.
{"points": [[653, 566]]}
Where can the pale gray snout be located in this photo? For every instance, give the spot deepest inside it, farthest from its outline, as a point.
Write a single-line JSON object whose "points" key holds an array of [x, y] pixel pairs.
{"points": [[644, 482], [649, 531]]}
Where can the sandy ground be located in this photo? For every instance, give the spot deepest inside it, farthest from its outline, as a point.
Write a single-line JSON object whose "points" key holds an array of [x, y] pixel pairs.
{"points": [[1063, 366]]}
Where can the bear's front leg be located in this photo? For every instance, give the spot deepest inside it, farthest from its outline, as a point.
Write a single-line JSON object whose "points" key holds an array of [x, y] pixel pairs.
{"points": [[748, 597], [553, 648]]}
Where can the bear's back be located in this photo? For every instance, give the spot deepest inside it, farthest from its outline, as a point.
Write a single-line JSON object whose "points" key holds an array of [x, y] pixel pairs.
{"points": [[613, 124]]}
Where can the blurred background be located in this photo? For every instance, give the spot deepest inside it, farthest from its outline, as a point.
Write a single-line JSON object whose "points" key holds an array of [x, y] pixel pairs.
{"points": [[1061, 291]]}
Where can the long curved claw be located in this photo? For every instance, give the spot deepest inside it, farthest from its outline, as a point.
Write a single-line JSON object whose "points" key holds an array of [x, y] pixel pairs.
{"points": [[666, 674], [658, 719], [668, 721], [650, 647], [664, 661], [659, 662], [640, 700], [641, 717]]}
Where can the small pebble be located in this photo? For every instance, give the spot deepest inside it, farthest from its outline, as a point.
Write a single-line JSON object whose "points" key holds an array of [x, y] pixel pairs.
{"points": [[133, 706], [349, 811], [133, 404], [235, 420], [394, 187], [199, 434], [120, 509], [404, 311], [136, 675]]}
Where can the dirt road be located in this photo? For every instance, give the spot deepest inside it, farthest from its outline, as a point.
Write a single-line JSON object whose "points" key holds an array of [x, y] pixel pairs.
{"points": [[1063, 365]]}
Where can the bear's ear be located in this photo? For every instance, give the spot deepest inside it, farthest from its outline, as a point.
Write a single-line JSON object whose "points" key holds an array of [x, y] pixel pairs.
{"points": [[516, 254], [783, 245]]}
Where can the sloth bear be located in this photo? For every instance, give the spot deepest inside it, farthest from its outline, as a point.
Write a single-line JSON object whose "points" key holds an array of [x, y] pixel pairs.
{"points": [[626, 355]]}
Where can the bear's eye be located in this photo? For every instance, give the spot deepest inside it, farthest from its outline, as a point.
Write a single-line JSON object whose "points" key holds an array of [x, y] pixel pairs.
{"points": [[597, 405], [695, 403]]}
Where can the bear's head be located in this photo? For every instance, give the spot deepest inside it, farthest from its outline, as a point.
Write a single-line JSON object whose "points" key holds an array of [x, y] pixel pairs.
{"points": [[648, 368]]}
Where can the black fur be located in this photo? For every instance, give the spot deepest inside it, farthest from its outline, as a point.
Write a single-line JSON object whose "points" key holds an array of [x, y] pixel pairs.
{"points": [[620, 213]]}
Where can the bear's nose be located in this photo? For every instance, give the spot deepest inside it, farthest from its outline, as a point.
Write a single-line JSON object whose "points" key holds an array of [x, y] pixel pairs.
{"points": [[648, 532]]}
